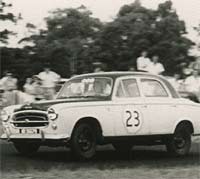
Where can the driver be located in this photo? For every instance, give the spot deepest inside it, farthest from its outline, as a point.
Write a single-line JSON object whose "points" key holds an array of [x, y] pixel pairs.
{"points": [[101, 88]]}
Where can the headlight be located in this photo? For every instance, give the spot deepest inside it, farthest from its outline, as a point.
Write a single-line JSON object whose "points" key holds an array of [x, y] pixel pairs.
{"points": [[4, 116], [52, 115]]}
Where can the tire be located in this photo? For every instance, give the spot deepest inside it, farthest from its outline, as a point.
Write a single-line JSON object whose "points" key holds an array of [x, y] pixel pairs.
{"points": [[180, 143], [83, 142], [26, 149]]}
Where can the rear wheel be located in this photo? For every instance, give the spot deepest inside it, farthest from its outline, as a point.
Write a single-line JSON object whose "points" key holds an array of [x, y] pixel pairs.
{"points": [[26, 148], [83, 141], [180, 143]]}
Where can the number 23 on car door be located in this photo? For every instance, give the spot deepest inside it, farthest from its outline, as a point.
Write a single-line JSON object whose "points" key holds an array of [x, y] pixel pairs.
{"points": [[132, 119]]}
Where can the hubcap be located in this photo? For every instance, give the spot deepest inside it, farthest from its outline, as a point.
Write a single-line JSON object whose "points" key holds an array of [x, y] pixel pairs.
{"points": [[179, 142], [85, 140]]}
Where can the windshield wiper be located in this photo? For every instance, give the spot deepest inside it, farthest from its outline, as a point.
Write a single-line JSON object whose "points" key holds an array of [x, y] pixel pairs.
{"points": [[94, 96]]}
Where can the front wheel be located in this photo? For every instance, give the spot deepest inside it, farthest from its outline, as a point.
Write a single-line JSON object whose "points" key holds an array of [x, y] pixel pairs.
{"points": [[26, 148], [83, 141], [180, 143]]}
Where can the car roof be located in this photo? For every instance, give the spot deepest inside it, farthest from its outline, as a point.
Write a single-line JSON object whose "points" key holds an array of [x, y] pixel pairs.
{"points": [[116, 74]]}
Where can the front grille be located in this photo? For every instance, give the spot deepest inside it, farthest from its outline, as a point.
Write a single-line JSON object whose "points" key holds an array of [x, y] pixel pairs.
{"points": [[30, 119]]}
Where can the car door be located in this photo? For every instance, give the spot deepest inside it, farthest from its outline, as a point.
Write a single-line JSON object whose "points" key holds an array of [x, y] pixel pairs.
{"points": [[161, 108], [129, 108]]}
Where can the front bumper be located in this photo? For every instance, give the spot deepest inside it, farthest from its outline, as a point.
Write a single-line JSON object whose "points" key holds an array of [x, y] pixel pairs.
{"points": [[41, 136], [43, 140]]}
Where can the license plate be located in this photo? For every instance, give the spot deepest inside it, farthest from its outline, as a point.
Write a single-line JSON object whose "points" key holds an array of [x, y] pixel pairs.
{"points": [[28, 131]]}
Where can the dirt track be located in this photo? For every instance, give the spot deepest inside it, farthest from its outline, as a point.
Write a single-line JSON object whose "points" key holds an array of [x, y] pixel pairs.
{"points": [[145, 163], [56, 163]]}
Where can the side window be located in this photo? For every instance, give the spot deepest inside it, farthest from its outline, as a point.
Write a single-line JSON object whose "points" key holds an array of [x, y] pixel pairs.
{"points": [[153, 88], [128, 88]]}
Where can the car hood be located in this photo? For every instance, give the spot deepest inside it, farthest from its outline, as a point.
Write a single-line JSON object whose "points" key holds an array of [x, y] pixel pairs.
{"points": [[44, 105]]}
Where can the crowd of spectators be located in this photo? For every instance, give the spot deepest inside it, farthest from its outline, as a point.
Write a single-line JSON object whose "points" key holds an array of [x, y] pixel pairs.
{"points": [[152, 66], [43, 85], [37, 87], [190, 80]]}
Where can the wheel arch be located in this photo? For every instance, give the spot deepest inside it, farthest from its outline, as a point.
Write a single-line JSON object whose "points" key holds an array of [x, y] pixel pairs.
{"points": [[185, 122], [94, 123]]}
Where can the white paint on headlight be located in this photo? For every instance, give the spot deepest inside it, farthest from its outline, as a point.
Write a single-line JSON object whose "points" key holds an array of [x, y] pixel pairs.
{"points": [[52, 115]]}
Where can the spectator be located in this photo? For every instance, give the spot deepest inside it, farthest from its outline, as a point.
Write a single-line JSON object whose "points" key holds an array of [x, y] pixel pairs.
{"points": [[9, 84], [155, 67], [196, 65], [186, 70], [131, 68], [49, 80], [176, 82], [192, 83], [143, 62], [28, 87], [2, 99], [37, 88], [98, 67]]}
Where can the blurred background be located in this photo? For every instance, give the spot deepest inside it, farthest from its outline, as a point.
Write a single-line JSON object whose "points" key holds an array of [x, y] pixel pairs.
{"points": [[73, 36]]}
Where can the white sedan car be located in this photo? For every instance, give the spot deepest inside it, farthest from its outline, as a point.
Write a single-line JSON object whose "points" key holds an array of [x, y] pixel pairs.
{"points": [[121, 108]]}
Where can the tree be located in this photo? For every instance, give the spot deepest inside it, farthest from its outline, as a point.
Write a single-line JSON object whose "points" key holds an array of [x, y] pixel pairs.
{"points": [[137, 28], [198, 31], [18, 62], [66, 42], [4, 35], [6, 16], [74, 40]]}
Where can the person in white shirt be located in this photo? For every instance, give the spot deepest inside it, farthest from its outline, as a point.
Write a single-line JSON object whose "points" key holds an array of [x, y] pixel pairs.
{"points": [[98, 67], [143, 62], [28, 87], [195, 65], [9, 84], [155, 67], [176, 82], [49, 80], [192, 83]]}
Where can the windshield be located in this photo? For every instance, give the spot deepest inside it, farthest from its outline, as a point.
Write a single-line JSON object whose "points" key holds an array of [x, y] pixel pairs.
{"points": [[86, 87]]}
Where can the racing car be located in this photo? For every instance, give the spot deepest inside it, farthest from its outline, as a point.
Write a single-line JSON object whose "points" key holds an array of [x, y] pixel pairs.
{"points": [[119, 108]]}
